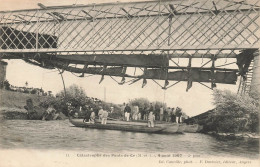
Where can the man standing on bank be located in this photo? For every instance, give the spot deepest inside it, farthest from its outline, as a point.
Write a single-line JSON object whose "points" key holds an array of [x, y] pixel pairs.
{"points": [[127, 112], [151, 108], [178, 115]]}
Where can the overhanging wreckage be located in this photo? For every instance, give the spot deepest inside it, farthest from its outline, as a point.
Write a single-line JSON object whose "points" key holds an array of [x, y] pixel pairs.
{"points": [[152, 66]]}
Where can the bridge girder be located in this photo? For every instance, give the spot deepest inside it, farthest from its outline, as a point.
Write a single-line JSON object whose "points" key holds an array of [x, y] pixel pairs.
{"points": [[167, 29], [126, 28]]}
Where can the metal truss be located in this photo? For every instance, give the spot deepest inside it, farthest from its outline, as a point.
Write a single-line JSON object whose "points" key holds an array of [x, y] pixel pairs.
{"points": [[59, 36], [129, 27]]}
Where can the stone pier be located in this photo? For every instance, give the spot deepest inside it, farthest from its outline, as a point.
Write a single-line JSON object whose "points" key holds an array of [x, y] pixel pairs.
{"points": [[2, 71], [255, 83]]}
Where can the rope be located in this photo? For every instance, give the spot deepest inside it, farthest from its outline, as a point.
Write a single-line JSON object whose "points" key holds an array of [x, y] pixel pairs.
{"points": [[114, 79], [64, 87], [65, 94], [164, 92]]}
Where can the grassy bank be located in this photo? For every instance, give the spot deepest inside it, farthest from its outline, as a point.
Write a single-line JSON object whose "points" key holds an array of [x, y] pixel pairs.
{"points": [[15, 101], [12, 104]]}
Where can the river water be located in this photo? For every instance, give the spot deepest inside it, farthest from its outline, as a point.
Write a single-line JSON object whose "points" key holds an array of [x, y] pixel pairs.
{"points": [[61, 135]]}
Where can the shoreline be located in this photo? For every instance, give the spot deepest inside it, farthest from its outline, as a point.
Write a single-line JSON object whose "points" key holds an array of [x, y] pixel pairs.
{"points": [[12, 113], [234, 136]]}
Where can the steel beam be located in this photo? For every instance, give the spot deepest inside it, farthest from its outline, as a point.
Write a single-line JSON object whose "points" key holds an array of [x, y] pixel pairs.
{"points": [[84, 57]]}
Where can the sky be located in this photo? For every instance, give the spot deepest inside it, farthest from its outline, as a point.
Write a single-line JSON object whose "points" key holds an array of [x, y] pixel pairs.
{"points": [[197, 100]]}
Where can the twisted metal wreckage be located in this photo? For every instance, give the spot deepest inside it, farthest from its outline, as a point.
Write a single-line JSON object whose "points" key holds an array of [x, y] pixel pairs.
{"points": [[109, 38]]}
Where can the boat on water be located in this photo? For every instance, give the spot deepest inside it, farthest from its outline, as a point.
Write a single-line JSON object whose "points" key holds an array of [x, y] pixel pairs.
{"points": [[131, 126], [193, 128]]}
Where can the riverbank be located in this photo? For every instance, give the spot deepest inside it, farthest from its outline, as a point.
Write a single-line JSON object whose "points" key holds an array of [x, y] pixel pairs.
{"points": [[12, 104], [16, 101]]}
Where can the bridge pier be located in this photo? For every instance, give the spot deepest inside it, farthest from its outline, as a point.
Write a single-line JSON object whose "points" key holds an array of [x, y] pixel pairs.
{"points": [[255, 83], [2, 71]]}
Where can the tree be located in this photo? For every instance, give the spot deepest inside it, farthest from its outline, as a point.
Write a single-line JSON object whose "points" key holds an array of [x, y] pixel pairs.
{"points": [[74, 95], [157, 106], [234, 113], [140, 102], [6, 85], [33, 91]]}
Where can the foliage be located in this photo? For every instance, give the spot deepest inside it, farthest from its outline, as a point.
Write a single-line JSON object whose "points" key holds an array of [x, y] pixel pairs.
{"points": [[56, 102], [116, 114], [5, 84], [77, 97], [145, 103], [26, 91], [157, 105], [1, 85], [234, 113], [74, 95], [140, 102], [33, 91]]}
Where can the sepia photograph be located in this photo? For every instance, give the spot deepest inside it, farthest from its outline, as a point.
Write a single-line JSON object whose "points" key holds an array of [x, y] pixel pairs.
{"points": [[129, 83]]}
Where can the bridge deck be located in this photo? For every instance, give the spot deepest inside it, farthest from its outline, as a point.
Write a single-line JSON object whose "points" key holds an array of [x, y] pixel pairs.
{"points": [[55, 37], [151, 26]]}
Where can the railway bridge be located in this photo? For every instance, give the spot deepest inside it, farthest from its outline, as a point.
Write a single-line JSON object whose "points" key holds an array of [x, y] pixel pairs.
{"points": [[151, 36]]}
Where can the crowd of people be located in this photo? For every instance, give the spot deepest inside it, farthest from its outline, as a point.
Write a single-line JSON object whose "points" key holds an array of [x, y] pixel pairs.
{"points": [[130, 113], [149, 114], [92, 112]]}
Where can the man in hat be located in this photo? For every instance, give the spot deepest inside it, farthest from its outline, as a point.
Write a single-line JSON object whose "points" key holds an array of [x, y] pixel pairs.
{"points": [[178, 115], [127, 112]]}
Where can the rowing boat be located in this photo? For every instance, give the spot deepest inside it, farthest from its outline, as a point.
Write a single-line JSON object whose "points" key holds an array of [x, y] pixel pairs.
{"points": [[132, 126]]}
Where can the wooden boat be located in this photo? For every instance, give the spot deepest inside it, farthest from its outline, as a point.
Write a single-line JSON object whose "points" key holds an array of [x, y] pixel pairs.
{"points": [[193, 128], [132, 126]]}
